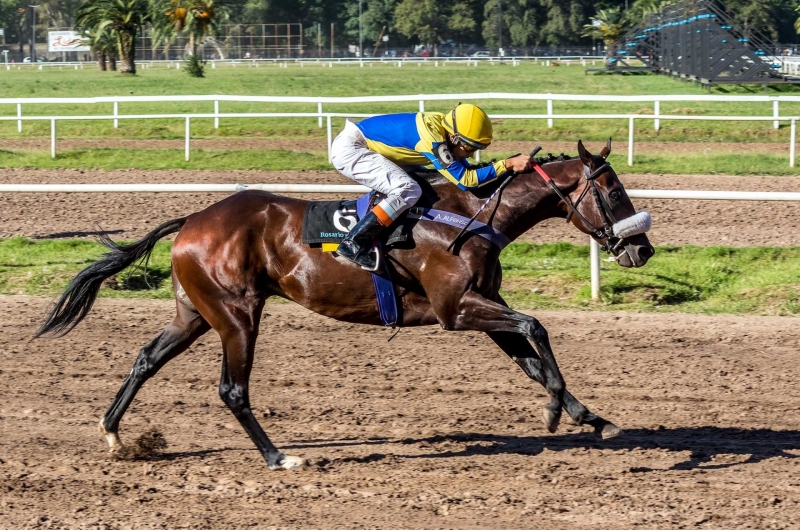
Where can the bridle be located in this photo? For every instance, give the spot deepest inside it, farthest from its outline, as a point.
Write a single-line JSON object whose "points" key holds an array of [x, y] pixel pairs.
{"points": [[607, 231]]}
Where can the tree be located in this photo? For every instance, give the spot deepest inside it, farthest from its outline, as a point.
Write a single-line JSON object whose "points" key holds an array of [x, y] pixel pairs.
{"points": [[197, 18], [607, 25], [122, 18], [104, 47], [13, 17], [431, 21]]}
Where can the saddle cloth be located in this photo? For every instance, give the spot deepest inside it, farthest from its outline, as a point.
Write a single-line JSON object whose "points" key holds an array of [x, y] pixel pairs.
{"points": [[325, 223]]}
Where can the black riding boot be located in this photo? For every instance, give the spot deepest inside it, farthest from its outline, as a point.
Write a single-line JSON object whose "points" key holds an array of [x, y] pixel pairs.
{"points": [[357, 244]]}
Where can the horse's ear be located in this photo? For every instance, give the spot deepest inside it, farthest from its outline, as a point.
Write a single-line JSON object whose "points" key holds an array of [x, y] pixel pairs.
{"points": [[606, 150], [586, 157]]}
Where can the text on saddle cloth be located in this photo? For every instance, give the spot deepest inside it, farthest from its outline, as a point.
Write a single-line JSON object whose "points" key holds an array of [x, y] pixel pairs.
{"points": [[328, 222]]}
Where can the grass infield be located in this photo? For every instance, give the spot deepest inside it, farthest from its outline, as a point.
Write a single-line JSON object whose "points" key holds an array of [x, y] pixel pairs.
{"points": [[286, 159], [382, 79], [550, 276]]}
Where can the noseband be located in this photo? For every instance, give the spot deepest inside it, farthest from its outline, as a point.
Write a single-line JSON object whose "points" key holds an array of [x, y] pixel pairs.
{"points": [[607, 231]]}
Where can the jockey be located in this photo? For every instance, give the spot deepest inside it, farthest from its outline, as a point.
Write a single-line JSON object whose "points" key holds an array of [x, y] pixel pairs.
{"points": [[371, 152]]}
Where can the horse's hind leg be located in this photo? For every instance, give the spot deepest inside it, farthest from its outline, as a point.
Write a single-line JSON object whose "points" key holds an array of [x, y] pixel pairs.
{"points": [[519, 349], [238, 329], [187, 326]]}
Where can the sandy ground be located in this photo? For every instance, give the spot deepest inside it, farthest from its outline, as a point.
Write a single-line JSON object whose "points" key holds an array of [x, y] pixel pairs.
{"points": [[320, 144], [130, 216], [433, 430]]}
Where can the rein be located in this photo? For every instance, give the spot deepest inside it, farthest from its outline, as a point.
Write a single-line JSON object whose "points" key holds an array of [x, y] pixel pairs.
{"points": [[606, 232]]}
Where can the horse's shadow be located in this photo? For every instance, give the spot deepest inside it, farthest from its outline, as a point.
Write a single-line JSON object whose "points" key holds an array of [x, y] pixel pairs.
{"points": [[704, 444]]}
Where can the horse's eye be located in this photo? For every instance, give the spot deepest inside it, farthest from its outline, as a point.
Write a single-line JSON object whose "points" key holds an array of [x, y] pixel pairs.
{"points": [[614, 195]]}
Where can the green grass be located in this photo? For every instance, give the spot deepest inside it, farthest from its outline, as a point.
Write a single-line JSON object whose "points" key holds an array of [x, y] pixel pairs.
{"points": [[284, 159], [46, 267], [686, 279], [551, 276], [350, 80]]}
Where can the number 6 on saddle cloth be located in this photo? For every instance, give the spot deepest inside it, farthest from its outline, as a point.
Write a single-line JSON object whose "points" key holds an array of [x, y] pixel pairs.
{"points": [[326, 223]]}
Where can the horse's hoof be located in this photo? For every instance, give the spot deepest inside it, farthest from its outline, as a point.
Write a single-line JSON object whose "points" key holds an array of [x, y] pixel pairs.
{"points": [[551, 419], [291, 462], [112, 438], [607, 430]]}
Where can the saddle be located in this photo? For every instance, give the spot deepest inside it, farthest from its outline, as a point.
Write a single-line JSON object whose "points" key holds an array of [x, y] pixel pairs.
{"points": [[326, 223]]}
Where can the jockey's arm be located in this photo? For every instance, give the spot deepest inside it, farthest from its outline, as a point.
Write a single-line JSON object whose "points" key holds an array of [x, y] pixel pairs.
{"points": [[465, 177]]}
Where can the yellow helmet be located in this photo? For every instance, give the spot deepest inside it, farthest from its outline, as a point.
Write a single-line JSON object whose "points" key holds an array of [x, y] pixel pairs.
{"points": [[470, 125]]}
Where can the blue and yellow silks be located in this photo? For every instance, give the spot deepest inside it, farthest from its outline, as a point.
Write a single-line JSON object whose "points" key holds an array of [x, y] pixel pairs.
{"points": [[418, 139]]}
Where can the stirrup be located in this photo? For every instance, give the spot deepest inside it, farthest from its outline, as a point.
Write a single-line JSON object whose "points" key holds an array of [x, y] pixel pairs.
{"points": [[374, 251]]}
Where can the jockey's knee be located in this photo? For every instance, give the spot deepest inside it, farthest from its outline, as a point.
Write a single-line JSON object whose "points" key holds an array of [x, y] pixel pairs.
{"points": [[406, 194]]}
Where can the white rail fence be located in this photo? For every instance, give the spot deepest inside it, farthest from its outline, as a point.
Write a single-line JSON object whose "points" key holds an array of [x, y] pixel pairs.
{"points": [[776, 118], [543, 60], [594, 253]]}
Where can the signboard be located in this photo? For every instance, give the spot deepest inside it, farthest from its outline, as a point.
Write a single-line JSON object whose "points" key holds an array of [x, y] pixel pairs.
{"points": [[66, 41], [2, 32]]}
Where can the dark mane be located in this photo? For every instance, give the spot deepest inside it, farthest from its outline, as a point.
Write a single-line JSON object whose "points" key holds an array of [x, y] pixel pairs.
{"points": [[550, 158]]}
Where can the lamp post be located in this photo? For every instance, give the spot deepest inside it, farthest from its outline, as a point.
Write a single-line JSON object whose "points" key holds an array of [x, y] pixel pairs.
{"points": [[360, 37], [500, 29], [33, 33]]}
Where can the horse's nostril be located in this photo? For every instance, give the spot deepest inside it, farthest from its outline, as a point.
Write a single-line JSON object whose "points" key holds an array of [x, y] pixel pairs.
{"points": [[646, 252]]}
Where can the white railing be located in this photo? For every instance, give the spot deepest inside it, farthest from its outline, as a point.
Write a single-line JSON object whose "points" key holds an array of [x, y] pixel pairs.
{"points": [[544, 60], [420, 99], [351, 188]]}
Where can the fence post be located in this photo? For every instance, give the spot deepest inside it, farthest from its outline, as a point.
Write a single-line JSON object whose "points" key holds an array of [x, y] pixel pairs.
{"points": [[19, 115], [188, 133], [330, 138], [657, 112], [594, 258], [421, 106], [116, 113], [478, 155], [630, 141], [319, 110], [53, 138], [216, 114], [549, 113], [792, 144], [776, 113]]}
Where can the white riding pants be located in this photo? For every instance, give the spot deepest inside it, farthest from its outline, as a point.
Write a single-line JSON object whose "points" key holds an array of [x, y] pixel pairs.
{"points": [[350, 156]]}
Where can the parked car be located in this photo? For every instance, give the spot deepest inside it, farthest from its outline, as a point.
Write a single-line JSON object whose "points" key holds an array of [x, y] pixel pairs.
{"points": [[481, 55]]}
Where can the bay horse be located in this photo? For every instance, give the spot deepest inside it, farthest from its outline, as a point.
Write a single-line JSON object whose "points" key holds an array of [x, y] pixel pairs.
{"points": [[228, 259]]}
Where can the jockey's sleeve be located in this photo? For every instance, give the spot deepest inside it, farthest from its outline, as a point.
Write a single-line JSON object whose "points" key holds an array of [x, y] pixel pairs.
{"points": [[457, 170]]}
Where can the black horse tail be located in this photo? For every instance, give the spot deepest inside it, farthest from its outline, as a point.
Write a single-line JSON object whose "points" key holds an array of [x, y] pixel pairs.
{"points": [[77, 300]]}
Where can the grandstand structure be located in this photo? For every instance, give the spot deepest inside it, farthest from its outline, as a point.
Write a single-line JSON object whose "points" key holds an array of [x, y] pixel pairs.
{"points": [[698, 40]]}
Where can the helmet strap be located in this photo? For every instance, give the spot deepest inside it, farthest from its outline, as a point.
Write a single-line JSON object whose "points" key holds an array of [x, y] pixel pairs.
{"points": [[457, 136]]}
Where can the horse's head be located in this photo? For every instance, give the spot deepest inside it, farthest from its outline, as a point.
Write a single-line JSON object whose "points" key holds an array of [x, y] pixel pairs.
{"points": [[606, 211]]}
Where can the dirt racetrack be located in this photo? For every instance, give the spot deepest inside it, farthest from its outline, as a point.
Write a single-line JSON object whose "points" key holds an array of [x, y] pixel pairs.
{"points": [[131, 215], [433, 430]]}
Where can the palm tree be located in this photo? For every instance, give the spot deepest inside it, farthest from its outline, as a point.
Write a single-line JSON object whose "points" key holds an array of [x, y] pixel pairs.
{"points": [[197, 18], [104, 47], [122, 18], [607, 25]]}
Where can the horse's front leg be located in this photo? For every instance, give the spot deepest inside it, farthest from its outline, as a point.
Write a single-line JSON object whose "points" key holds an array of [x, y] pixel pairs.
{"points": [[476, 313], [521, 352]]}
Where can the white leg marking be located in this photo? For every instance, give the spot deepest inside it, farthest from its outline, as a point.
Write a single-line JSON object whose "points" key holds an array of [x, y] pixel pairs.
{"points": [[293, 462], [112, 438]]}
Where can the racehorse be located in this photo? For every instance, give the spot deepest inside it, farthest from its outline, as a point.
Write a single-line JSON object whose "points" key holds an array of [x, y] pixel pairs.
{"points": [[228, 259]]}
